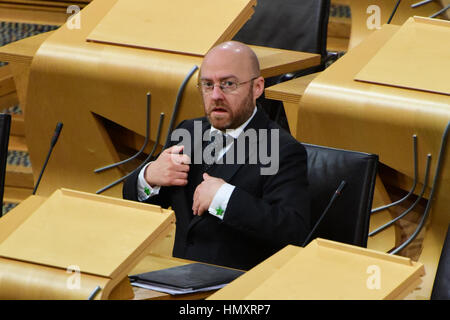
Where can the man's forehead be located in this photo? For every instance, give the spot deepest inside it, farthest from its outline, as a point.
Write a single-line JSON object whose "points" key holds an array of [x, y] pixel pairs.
{"points": [[224, 65], [224, 77]]}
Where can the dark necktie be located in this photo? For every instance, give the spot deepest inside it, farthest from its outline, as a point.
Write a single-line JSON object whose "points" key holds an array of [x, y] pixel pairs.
{"points": [[212, 149]]}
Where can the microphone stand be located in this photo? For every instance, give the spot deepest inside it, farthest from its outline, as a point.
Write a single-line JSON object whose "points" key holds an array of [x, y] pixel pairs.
{"points": [[52, 145]]}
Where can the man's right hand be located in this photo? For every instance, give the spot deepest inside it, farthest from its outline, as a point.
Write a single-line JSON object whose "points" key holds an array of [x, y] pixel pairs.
{"points": [[169, 169]]}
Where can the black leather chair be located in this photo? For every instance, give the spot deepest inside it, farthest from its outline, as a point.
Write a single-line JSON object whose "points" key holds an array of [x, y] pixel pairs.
{"points": [[348, 218], [299, 25], [5, 124], [441, 286]]}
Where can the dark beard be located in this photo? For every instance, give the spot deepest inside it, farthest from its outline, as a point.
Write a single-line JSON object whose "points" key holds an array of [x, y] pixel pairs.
{"points": [[243, 113]]}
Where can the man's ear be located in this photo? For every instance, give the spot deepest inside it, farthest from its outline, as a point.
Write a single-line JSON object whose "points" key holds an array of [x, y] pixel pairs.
{"points": [[258, 87]]}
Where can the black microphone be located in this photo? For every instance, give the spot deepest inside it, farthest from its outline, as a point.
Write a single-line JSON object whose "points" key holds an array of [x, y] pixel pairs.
{"points": [[52, 145], [336, 194], [421, 3], [56, 134], [394, 11]]}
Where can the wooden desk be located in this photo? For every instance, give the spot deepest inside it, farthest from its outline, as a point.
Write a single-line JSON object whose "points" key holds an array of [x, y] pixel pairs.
{"points": [[365, 14], [324, 270], [290, 93], [273, 62], [99, 92], [20, 54], [337, 111]]}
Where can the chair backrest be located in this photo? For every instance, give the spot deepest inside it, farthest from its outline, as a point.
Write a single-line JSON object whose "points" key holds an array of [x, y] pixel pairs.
{"points": [[441, 286], [299, 25], [5, 124], [348, 218]]}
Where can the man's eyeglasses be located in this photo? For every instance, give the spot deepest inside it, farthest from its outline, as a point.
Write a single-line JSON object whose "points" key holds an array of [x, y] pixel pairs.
{"points": [[226, 86]]}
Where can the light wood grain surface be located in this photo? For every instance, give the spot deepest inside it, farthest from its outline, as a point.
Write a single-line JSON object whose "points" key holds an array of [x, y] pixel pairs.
{"points": [[325, 270], [83, 84], [382, 120]]}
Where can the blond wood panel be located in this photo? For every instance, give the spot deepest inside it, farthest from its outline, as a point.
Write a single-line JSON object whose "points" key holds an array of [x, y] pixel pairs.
{"points": [[23, 51], [349, 107], [19, 280], [379, 119], [386, 240], [37, 3], [19, 176], [22, 278], [78, 83], [10, 13], [21, 73], [17, 125], [20, 214], [9, 100], [100, 235], [274, 62], [413, 58], [339, 27], [111, 82], [290, 93], [6, 81], [363, 20], [337, 44], [17, 143], [138, 23], [245, 284], [341, 2], [15, 194], [328, 270]]}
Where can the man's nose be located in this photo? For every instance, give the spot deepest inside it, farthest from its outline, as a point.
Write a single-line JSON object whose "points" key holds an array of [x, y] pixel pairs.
{"points": [[217, 93]]}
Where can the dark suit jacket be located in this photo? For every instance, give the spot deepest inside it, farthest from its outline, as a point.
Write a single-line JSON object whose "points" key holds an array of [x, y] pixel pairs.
{"points": [[264, 213]]}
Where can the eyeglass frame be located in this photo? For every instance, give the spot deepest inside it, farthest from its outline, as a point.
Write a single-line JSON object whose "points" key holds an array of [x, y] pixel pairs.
{"points": [[220, 85]]}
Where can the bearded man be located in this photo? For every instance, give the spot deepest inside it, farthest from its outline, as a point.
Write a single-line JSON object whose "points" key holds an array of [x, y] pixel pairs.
{"points": [[233, 209]]}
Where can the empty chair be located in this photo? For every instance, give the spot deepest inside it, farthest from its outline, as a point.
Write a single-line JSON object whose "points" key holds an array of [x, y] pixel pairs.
{"points": [[348, 218]]}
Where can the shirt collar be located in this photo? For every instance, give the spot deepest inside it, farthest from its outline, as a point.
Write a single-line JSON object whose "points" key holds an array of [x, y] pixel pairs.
{"points": [[236, 132]]}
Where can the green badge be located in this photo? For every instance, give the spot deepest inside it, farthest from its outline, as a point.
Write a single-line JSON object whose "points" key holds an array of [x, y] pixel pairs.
{"points": [[147, 191], [219, 211]]}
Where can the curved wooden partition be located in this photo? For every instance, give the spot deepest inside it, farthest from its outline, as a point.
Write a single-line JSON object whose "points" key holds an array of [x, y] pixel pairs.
{"points": [[79, 83], [340, 112], [90, 85], [366, 14]]}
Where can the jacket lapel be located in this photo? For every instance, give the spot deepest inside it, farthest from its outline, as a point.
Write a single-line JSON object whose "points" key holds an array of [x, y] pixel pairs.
{"points": [[227, 171], [195, 170]]}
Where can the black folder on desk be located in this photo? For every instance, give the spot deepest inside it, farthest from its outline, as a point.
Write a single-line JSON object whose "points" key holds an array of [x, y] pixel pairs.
{"points": [[187, 278]]}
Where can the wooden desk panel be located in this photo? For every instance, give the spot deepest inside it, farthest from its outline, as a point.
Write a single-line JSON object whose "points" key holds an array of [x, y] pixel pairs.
{"points": [[84, 84], [365, 14], [172, 27], [290, 93], [339, 112]]}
